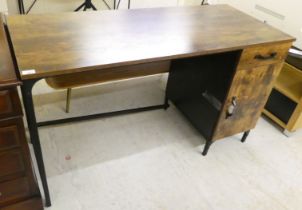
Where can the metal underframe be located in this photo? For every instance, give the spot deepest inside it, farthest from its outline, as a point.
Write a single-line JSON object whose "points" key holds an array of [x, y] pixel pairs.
{"points": [[33, 126]]}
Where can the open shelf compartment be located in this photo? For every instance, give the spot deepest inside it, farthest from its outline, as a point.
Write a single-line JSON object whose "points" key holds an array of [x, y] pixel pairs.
{"points": [[198, 87]]}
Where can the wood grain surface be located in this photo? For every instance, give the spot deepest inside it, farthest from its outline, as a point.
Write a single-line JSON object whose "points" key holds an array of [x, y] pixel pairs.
{"points": [[52, 44], [7, 70]]}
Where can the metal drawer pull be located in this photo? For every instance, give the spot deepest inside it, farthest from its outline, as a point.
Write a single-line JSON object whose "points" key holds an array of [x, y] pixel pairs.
{"points": [[270, 56], [231, 108]]}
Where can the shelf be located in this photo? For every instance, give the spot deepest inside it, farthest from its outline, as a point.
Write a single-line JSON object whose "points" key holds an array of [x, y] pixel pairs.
{"points": [[289, 82], [197, 109]]}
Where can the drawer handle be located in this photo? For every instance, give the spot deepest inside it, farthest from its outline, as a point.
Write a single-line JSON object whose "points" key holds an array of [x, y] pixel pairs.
{"points": [[231, 108], [268, 57]]}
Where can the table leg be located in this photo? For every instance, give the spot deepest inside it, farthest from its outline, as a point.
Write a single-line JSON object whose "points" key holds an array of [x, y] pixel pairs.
{"points": [[26, 89], [245, 135], [207, 147], [21, 7]]}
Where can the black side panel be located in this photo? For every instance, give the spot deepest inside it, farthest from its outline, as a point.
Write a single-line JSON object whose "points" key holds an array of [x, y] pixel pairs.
{"points": [[280, 106], [198, 86]]}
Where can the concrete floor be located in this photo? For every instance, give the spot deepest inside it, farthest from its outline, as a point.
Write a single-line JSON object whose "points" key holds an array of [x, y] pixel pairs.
{"points": [[152, 160]]}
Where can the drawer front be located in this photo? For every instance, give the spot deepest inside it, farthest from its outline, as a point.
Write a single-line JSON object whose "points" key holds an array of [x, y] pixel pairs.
{"points": [[11, 163], [263, 55], [9, 103], [14, 191], [9, 137], [34, 203]]}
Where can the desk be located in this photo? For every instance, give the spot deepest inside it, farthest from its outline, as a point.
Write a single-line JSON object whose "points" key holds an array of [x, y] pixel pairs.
{"points": [[214, 53]]}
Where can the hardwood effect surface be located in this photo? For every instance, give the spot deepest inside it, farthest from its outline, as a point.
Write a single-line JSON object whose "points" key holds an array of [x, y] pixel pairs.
{"points": [[14, 191], [9, 137], [108, 74], [251, 87], [248, 57], [11, 163], [10, 103], [7, 69], [31, 204], [289, 82], [54, 44]]}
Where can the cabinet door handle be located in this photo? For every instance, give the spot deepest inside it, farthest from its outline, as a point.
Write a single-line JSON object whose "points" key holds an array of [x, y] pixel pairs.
{"points": [[268, 57], [231, 108]]}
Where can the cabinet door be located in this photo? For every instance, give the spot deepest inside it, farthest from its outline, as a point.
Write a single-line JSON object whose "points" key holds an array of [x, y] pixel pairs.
{"points": [[247, 96]]}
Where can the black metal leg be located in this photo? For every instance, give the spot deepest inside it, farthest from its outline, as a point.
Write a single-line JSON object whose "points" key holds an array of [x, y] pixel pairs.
{"points": [[21, 7], [86, 5], [80, 7], [207, 147], [93, 7], [129, 4], [34, 134], [245, 135]]}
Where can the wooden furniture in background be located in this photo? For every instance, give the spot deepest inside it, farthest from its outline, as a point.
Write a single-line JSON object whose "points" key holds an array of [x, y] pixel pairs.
{"points": [[18, 185], [221, 59], [284, 106]]}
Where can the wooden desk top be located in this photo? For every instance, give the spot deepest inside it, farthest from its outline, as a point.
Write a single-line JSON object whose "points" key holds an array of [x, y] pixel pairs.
{"points": [[7, 70], [55, 44]]}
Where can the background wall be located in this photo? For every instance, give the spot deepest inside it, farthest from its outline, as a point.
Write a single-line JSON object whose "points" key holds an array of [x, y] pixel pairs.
{"points": [[285, 15], [3, 6]]}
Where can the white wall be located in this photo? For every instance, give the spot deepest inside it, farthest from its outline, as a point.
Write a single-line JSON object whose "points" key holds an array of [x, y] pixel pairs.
{"points": [[3, 6], [285, 15]]}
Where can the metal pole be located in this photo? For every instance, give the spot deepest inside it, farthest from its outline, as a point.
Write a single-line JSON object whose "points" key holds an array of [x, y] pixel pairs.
{"points": [[26, 89]]}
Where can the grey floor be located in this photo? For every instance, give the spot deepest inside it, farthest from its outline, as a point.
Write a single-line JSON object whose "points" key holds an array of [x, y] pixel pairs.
{"points": [[152, 160]]}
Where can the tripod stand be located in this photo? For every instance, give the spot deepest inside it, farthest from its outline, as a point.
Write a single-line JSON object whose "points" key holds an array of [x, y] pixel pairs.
{"points": [[86, 5]]}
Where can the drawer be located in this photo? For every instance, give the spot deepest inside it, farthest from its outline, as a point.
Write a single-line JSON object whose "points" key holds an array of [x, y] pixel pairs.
{"points": [[34, 203], [14, 191], [9, 103], [9, 137], [11, 164], [263, 55]]}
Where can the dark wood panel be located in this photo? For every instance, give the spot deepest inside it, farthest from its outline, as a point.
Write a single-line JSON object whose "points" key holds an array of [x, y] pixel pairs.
{"points": [[11, 164], [51, 44], [9, 137], [14, 191], [9, 103], [118, 73], [7, 70], [251, 88], [30, 204]]}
